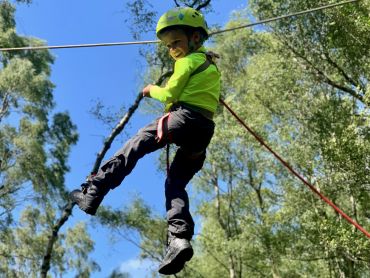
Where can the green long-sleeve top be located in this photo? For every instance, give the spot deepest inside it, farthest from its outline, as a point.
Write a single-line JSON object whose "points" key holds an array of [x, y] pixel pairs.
{"points": [[201, 90]]}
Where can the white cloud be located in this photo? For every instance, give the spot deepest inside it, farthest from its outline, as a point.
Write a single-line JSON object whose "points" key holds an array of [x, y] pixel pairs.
{"points": [[138, 268]]}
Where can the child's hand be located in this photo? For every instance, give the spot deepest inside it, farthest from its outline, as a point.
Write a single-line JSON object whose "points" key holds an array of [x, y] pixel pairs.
{"points": [[146, 90]]}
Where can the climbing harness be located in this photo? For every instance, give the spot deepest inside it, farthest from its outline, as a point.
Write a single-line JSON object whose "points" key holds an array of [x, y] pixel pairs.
{"points": [[163, 134], [162, 127]]}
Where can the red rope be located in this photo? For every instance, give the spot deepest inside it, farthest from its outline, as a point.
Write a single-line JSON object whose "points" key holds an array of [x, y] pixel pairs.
{"points": [[295, 173]]}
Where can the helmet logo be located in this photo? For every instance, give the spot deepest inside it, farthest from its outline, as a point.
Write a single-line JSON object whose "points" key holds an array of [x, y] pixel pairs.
{"points": [[171, 18], [181, 16]]}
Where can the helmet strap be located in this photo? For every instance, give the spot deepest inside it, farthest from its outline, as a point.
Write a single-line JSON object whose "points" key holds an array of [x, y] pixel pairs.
{"points": [[191, 46]]}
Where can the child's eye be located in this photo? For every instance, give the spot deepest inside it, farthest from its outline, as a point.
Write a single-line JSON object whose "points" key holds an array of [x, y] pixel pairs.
{"points": [[173, 44]]}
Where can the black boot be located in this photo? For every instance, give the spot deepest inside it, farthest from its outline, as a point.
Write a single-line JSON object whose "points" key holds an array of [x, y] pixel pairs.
{"points": [[179, 251], [89, 198]]}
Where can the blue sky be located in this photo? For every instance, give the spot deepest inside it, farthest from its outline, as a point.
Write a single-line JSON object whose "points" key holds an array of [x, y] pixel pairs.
{"points": [[113, 75]]}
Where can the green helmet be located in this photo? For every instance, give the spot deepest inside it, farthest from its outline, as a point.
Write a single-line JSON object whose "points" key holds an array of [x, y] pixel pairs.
{"points": [[185, 16]]}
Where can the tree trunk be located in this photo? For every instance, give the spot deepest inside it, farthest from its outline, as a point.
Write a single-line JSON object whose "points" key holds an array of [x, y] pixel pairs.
{"points": [[232, 267]]}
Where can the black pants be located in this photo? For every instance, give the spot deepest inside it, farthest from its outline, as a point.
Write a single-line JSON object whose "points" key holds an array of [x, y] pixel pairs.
{"points": [[191, 132]]}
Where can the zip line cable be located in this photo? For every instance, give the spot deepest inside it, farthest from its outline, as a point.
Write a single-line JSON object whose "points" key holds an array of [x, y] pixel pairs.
{"points": [[294, 172], [41, 47], [157, 41], [284, 16]]}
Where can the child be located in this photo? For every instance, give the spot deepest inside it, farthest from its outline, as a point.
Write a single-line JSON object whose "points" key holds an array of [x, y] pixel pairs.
{"points": [[191, 97]]}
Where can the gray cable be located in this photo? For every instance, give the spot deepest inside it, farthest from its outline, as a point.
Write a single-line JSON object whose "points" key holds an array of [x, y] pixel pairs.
{"points": [[157, 41], [285, 16]]}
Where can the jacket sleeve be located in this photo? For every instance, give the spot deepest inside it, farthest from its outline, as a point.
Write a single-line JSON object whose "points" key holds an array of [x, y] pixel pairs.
{"points": [[175, 85]]}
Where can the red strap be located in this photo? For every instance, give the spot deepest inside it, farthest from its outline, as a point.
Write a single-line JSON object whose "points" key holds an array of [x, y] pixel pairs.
{"points": [[295, 173], [162, 128], [163, 134]]}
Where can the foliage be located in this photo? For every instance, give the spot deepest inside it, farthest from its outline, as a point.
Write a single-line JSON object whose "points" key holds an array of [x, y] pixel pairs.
{"points": [[319, 126], [136, 223], [117, 274], [300, 83], [34, 146], [332, 44]]}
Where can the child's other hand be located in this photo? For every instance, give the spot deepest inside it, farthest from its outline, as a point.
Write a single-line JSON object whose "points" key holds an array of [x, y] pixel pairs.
{"points": [[146, 90]]}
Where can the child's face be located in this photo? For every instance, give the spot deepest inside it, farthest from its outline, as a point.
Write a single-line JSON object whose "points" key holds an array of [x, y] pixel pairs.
{"points": [[177, 43]]}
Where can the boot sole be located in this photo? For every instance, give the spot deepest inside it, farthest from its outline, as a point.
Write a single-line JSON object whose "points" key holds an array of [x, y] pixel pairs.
{"points": [[78, 202], [177, 263]]}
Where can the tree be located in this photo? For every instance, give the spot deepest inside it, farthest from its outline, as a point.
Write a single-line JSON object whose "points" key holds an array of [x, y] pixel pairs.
{"points": [[301, 83], [294, 110], [34, 145], [330, 43]]}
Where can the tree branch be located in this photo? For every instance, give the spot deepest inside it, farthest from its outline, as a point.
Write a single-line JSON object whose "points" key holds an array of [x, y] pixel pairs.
{"points": [[146, 251], [5, 106], [121, 125], [12, 256], [7, 190], [53, 237], [193, 4], [45, 267], [324, 77], [220, 262], [201, 6], [341, 71]]}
